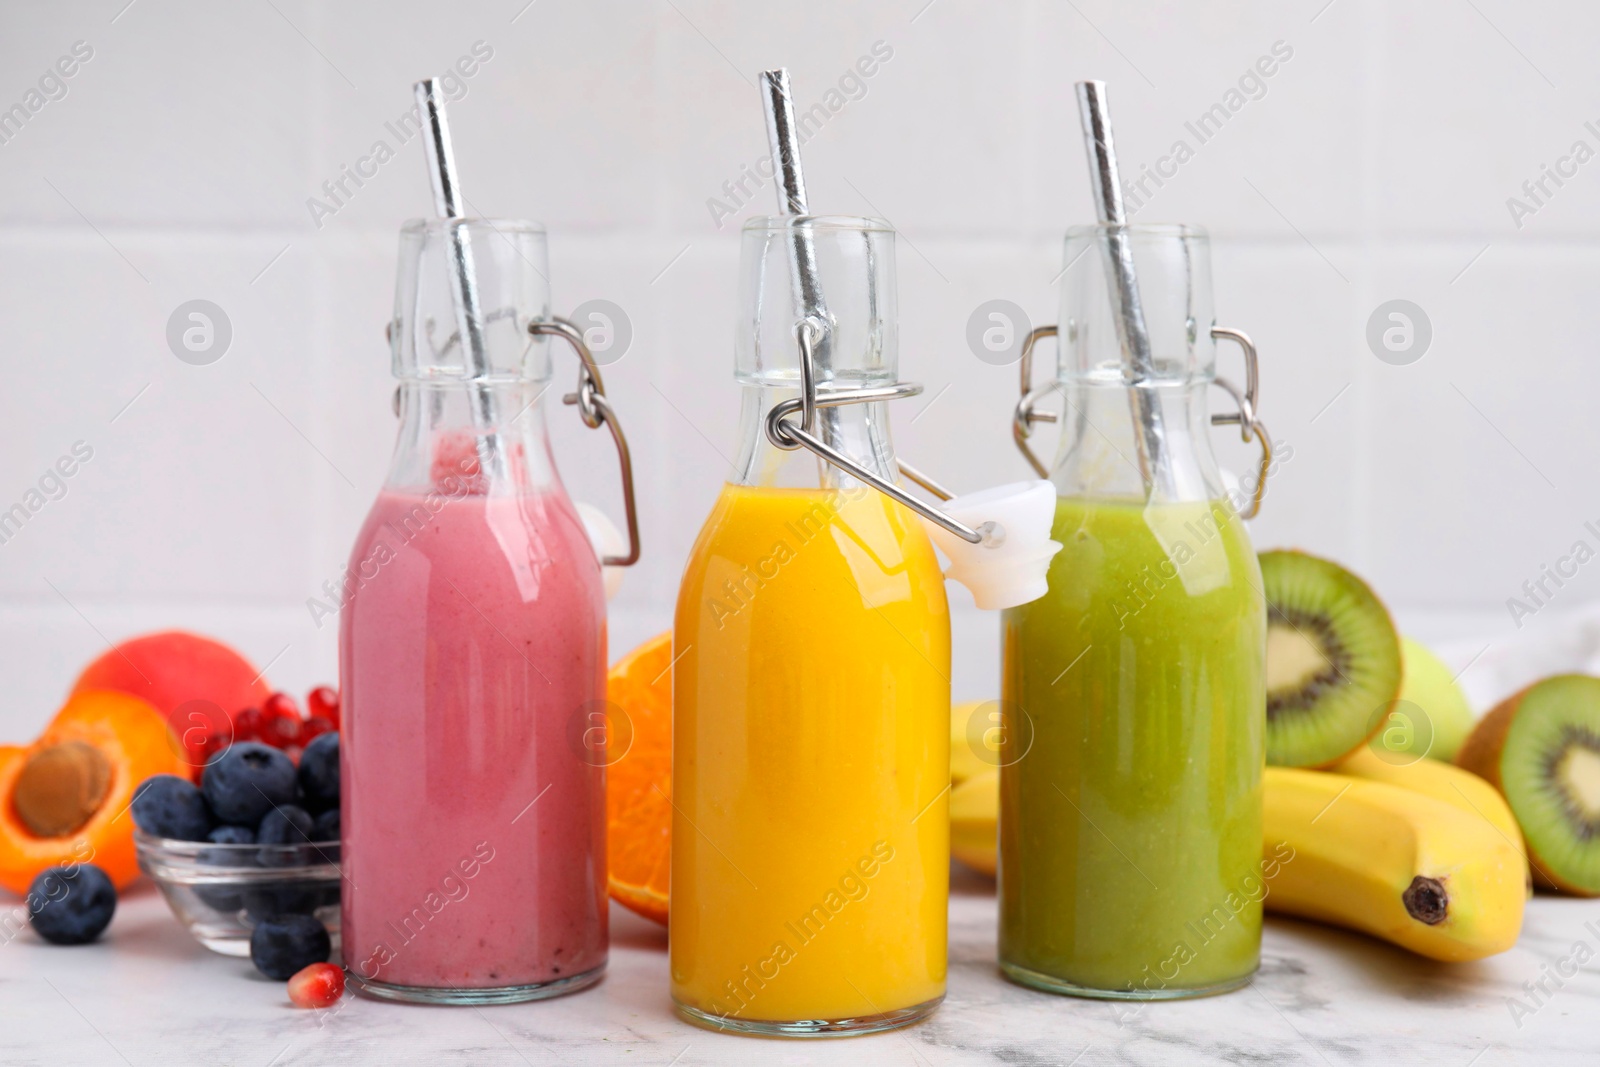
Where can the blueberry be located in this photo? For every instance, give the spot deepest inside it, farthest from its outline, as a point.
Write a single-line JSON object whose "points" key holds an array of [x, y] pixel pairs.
{"points": [[228, 857], [168, 806], [247, 781], [282, 945], [325, 831], [222, 898], [231, 835], [263, 901], [285, 825], [71, 905], [325, 827], [225, 897], [319, 772]]}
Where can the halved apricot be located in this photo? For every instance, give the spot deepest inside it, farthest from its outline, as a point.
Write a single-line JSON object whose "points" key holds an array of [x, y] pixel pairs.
{"points": [[65, 798]]}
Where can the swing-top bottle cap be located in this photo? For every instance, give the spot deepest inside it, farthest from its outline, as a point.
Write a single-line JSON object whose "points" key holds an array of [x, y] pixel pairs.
{"points": [[1010, 566]]}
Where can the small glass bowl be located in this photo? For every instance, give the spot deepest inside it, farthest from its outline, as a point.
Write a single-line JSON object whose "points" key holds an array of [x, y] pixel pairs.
{"points": [[218, 892]]}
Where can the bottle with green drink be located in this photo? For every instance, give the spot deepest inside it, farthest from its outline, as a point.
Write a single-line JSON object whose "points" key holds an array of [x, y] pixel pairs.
{"points": [[1133, 692]]}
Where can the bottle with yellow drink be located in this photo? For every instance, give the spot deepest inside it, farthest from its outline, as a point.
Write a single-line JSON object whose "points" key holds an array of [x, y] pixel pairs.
{"points": [[811, 692]]}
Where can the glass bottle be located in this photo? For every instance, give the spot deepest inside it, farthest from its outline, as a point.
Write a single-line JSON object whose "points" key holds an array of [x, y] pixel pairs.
{"points": [[472, 641], [811, 693], [1130, 803]]}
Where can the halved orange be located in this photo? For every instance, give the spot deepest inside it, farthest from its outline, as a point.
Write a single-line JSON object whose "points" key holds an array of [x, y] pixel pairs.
{"points": [[639, 783]]}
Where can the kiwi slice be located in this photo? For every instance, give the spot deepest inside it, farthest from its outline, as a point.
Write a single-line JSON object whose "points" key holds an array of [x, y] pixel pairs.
{"points": [[1333, 660], [1541, 749]]}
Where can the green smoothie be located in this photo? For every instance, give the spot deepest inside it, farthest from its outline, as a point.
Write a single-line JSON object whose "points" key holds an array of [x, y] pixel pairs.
{"points": [[1130, 827]]}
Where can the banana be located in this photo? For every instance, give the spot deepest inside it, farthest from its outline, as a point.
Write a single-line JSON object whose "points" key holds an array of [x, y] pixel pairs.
{"points": [[1392, 862], [974, 739], [974, 813], [974, 786], [1442, 781]]}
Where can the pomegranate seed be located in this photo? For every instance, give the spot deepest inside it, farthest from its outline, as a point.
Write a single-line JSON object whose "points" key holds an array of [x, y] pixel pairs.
{"points": [[280, 732], [248, 725], [317, 986], [280, 721], [323, 702], [281, 704], [312, 727]]}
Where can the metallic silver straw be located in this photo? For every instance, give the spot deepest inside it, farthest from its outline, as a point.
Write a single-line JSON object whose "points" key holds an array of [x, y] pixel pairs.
{"points": [[448, 203], [783, 137], [1117, 251]]}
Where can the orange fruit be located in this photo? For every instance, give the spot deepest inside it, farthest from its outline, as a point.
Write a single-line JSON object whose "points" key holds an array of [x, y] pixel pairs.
{"points": [[639, 783]]}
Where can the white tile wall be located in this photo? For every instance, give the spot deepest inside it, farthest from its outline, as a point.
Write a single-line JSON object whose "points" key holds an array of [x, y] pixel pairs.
{"points": [[1373, 164]]}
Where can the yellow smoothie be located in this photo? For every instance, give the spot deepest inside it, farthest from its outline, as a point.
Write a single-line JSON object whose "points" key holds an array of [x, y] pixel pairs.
{"points": [[811, 705]]}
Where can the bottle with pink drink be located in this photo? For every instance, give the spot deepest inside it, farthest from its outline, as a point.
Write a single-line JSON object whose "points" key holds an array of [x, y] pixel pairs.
{"points": [[473, 650]]}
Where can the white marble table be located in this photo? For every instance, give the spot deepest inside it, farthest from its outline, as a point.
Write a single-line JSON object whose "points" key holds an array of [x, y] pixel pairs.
{"points": [[149, 995]]}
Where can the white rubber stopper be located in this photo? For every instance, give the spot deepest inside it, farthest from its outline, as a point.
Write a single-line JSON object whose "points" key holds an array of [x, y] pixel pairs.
{"points": [[607, 541], [1010, 568]]}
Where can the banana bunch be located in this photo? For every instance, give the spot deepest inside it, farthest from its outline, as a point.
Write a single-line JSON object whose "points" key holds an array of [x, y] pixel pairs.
{"points": [[1423, 854], [974, 788], [1418, 855]]}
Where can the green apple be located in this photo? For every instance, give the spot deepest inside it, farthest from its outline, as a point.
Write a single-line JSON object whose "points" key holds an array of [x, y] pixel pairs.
{"points": [[1430, 716]]}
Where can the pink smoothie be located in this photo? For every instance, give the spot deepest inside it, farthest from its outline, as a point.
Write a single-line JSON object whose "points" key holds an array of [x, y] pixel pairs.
{"points": [[474, 829]]}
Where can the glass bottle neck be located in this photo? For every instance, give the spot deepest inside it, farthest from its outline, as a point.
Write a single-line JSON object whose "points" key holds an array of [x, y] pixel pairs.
{"points": [[860, 431], [481, 439], [1108, 449]]}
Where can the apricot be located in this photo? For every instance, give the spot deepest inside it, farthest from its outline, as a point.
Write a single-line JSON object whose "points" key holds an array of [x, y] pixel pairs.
{"points": [[198, 683], [64, 799], [60, 787]]}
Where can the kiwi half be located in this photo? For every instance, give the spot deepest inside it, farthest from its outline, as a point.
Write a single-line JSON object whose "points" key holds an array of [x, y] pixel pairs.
{"points": [[1541, 749], [1333, 660]]}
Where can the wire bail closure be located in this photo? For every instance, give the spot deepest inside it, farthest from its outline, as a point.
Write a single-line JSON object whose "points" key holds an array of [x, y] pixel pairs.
{"points": [[1250, 425], [785, 433], [813, 322], [596, 410], [1025, 416]]}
